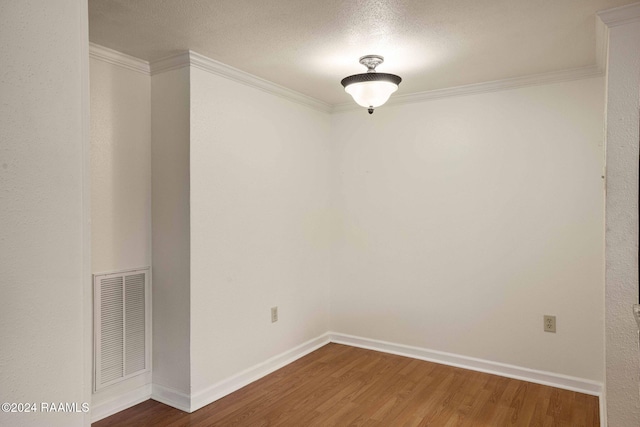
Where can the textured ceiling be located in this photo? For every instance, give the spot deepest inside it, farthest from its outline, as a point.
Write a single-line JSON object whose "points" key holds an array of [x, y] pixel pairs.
{"points": [[309, 46]]}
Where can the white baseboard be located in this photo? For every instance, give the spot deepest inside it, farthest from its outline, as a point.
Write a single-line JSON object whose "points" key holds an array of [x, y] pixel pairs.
{"points": [[120, 403], [186, 403], [236, 382], [171, 396], [566, 382], [603, 409]]}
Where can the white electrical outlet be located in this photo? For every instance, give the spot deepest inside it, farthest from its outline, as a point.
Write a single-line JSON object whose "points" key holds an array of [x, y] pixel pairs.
{"points": [[274, 314], [549, 323]]}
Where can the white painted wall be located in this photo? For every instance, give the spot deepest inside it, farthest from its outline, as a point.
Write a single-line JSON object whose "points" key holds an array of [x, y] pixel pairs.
{"points": [[455, 219], [623, 102], [170, 229], [466, 219], [45, 234], [120, 180], [260, 226], [120, 167]]}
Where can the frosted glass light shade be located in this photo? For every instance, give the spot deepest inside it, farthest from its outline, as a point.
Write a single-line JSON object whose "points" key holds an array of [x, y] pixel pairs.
{"points": [[371, 89], [371, 94]]}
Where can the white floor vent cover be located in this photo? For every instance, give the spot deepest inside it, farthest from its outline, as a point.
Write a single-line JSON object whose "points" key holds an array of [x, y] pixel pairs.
{"points": [[122, 326]]}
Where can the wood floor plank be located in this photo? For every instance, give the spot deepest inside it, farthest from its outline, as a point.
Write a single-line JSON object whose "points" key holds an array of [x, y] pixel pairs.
{"points": [[338, 385]]}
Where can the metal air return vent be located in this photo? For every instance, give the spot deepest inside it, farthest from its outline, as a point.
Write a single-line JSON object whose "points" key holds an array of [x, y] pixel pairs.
{"points": [[122, 325]]}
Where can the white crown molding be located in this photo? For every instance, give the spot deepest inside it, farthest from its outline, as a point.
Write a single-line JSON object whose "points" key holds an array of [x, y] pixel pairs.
{"points": [[212, 66], [190, 58], [485, 87], [120, 403], [114, 57], [172, 62], [620, 15], [602, 44], [236, 382]]}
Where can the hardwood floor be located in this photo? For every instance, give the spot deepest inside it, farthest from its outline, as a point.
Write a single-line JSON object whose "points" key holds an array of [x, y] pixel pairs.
{"points": [[339, 385]]}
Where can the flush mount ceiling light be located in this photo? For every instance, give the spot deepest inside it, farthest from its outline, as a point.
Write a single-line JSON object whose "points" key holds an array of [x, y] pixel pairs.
{"points": [[371, 89]]}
